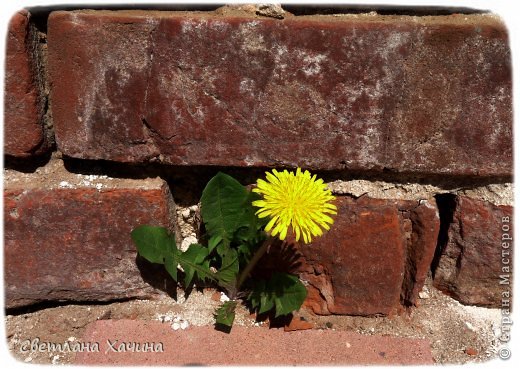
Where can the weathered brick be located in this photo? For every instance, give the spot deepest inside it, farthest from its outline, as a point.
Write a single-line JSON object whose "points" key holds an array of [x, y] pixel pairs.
{"points": [[472, 261], [399, 93], [23, 107], [421, 225], [373, 261], [72, 242]]}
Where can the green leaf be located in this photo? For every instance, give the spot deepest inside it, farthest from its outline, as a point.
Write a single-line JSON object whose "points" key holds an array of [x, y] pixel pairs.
{"points": [[222, 206], [225, 314], [170, 263], [214, 242], [290, 293], [223, 248], [283, 292], [251, 225], [195, 264], [266, 303], [228, 272], [261, 297], [245, 253], [256, 293], [153, 243]]}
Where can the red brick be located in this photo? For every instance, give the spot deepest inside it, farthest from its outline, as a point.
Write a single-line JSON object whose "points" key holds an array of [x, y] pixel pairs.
{"points": [[408, 94], [421, 243], [23, 107], [74, 244], [369, 261], [471, 262], [245, 346]]}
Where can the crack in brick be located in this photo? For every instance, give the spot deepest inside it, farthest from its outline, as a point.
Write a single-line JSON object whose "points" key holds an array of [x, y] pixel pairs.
{"points": [[149, 72]]}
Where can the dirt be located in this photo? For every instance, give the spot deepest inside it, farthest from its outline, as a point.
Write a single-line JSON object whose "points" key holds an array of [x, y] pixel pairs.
{"points": [[458, 334], [54, 175]]}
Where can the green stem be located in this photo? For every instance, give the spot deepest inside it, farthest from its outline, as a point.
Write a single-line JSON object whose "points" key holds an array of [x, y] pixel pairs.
{"points": [[254, 260]]}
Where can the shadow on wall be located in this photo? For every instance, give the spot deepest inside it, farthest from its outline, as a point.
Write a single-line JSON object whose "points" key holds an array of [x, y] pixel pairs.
{"points": [[446, 204], [156, 276]]}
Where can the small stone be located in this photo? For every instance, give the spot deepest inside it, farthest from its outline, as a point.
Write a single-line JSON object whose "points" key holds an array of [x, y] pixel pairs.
{"points": [[471, 351], [176, 326], [271, 10], [105, 316], [184, 324], [163, 318], [185, 244], [223, 297], [186, 213], [424, 295]]}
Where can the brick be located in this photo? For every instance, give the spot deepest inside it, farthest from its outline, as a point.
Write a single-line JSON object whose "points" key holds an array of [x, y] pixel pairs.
{"points": [[421, 224], [409, 94], [23, 107], [471, 261], [73, 244], [246, 346], [374, 260]]}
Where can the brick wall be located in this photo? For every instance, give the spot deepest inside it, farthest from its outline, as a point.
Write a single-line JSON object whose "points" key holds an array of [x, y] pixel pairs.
{"points": [[118, 118]]}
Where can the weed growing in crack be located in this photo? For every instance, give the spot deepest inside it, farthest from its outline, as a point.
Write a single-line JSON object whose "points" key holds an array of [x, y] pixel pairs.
{"points": [[241, 226]]}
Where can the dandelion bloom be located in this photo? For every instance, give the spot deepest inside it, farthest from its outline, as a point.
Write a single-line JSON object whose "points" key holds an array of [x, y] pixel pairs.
{"points": [[294, 200]]}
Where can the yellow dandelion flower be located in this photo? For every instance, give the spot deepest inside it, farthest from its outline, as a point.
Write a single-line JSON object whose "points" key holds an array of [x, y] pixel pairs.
{"points": [[294, 200]]}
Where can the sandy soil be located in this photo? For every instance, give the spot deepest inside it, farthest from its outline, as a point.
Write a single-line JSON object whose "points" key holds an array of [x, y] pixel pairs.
{"points": [[458, 334]]}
